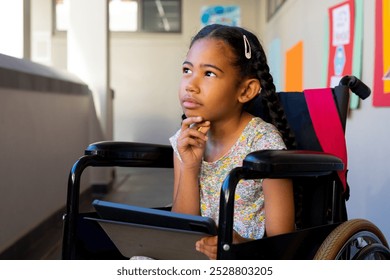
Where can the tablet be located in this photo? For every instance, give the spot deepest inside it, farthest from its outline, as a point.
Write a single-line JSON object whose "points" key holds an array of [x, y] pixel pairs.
{"points": [[154, 233]]}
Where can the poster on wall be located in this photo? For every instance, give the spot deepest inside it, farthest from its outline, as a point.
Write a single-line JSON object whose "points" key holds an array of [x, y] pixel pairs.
{"points": [[294, 68], [341, 27], [226, 15], [381, 88], [357, 50]]}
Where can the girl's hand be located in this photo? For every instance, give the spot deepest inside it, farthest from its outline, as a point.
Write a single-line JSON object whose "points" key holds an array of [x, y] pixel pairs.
{"points": [[191, 141], [209, 245]]}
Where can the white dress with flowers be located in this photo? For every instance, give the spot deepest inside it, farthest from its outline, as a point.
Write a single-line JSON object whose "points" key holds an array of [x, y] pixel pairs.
{"points": [[249, 216]]}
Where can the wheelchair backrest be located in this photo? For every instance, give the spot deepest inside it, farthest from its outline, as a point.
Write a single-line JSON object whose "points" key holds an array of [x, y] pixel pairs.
{"points": [[298, 116], [318, 200]]}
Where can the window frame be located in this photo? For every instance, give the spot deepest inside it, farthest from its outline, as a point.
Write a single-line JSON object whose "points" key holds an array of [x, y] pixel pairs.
{"points": [[140, 20]]}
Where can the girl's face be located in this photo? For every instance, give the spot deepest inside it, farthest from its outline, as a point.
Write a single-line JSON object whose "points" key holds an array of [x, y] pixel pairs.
{"points": [[210, 84]]}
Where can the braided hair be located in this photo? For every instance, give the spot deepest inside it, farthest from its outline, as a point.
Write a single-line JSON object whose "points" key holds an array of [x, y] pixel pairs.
{"points": [[252, 66]]}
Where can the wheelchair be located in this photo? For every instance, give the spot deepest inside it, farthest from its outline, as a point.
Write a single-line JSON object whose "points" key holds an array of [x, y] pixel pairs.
{"points": [[317, 167]]}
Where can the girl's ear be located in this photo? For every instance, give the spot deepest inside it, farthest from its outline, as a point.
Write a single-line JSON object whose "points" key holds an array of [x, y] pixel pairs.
{"points": [[251, 89]]}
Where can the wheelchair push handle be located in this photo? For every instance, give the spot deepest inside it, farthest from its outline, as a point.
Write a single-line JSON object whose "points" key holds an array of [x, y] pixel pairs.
{"points": [[356, 86]]}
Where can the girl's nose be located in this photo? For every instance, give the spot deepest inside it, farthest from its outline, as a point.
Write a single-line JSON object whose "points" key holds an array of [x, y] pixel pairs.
{"points": [[192, 85], [191, 88]]}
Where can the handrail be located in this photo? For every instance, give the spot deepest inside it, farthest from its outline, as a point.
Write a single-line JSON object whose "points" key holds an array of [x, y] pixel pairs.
{"points": [[16, 73]]}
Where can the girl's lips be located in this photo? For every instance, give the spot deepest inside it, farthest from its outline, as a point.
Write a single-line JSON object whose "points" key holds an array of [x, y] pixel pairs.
{"points": [[190, 103]]}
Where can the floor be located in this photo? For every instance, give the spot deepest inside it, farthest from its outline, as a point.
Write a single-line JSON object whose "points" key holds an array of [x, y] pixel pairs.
{"points": [[148, 187]]}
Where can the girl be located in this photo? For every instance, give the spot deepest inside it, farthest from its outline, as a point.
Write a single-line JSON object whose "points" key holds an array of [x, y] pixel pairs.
{"points": [[225, 68]]}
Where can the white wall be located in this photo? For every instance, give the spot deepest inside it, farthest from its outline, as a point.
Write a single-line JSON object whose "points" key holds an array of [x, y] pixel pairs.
{"points": [[145, 75]]}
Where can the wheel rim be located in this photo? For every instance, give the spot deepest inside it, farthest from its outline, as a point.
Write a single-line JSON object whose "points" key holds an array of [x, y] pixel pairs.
{"points": [[353, 248], [373, 252]]}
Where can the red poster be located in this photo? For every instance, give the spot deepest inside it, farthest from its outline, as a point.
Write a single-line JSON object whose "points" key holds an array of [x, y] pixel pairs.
{"points": [[381, 89], [342, 22]]}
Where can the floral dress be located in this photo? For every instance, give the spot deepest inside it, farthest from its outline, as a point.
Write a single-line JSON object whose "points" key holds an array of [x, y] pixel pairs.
{"points": [[249, 216]]}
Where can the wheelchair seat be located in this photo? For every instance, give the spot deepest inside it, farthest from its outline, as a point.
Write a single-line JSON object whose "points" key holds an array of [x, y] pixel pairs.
{"points": [[318, 168]]}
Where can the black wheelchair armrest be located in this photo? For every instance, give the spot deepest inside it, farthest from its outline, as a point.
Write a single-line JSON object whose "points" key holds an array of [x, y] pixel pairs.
{"points": [[268, 164], [290, 163], [132, 153]]}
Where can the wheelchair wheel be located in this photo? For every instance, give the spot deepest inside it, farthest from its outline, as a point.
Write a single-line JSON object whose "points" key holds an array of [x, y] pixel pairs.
{"points": [[355, 239]]}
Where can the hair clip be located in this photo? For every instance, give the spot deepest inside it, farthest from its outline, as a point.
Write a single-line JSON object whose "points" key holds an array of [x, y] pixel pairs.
{"points": [[248, 51]]}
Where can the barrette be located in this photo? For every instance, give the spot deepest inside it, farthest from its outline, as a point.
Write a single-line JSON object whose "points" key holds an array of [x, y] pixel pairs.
{"points": [[248, 51]]}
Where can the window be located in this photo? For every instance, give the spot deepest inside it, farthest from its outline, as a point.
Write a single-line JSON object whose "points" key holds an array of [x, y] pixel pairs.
{"points": [[123, 15], [273, 6], [132, 15], [161, 16], [11, 28], [61, 15]]}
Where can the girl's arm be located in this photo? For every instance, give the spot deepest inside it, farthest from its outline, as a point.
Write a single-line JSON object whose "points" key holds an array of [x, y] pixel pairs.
{"points": [[185, 190], [279, 206], [190, 145]]}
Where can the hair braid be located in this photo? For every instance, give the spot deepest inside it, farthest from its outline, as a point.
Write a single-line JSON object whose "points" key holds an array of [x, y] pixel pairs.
{"points": [[271, 100], [275, 110]]}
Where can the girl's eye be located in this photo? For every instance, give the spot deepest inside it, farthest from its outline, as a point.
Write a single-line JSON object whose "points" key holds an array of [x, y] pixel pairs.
{"points": [[186, 70], [210, 74]]}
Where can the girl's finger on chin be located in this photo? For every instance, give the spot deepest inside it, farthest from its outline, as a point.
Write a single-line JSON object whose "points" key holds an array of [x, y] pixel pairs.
{"points": [[191, 121], [204, 124], [203, 127]]}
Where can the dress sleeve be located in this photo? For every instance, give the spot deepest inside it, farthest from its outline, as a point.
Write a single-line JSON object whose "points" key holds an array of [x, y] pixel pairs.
{"points": [[268, 138], [173, 141]]}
